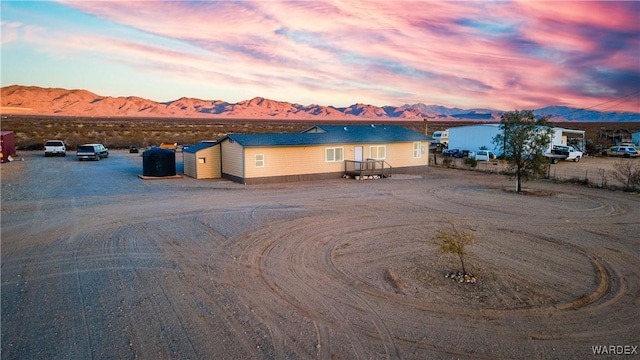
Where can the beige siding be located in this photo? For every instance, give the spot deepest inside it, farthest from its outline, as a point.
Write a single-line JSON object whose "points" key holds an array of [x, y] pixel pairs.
{"points": [[294, 160], [189, 162], [297, 160], [210, 169], [231, 154], [401, 154]]}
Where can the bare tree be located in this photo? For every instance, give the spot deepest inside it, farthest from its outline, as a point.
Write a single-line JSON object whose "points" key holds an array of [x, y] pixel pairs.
{"points": [[453, 242]]}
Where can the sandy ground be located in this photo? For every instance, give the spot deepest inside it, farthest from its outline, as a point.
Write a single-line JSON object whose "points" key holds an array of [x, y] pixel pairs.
{"points": [[99, 264]]}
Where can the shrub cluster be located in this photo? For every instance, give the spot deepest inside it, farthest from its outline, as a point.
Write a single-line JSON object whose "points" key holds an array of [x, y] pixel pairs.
{"points": [[31, 132]]}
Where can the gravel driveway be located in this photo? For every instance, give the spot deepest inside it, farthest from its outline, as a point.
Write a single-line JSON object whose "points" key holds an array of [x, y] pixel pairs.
{"points": [[99, 264]]}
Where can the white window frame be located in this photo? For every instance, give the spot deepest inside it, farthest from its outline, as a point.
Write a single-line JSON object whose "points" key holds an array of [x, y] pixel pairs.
{"points": [[417, 149], [333, 157], [378, 147], [259, 160]]}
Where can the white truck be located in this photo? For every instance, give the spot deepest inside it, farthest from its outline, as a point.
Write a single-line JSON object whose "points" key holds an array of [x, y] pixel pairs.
{"points": [[560, 152], [55, 147]]}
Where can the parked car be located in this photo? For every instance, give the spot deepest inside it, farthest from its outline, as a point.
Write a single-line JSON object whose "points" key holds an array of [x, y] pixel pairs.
{"points": [[92, 152], [170, 146], [55, 147], [461, 154], [623, 151], [450, 152], [485, 155], [133, 149]]}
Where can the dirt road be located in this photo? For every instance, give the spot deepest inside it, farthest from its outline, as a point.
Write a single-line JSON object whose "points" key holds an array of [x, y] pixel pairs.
{"points": [[99, 264]]}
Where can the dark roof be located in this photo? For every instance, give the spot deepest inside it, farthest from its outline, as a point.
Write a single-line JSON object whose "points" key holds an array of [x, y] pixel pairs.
{"points": [[199, 146], [332, 134], [153, 150]]}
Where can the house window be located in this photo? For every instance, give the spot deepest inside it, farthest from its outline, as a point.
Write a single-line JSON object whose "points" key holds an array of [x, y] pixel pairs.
{"points": [[417, 149], [202, 160], [333, 154], [378, 152], [259, 160]]}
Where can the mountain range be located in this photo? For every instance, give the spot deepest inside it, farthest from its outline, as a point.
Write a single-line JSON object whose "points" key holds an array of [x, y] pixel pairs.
{"points": [[32, 100]]}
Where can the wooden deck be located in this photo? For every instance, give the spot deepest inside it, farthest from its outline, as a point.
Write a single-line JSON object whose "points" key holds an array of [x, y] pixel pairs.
{"points": [[364, 169]]}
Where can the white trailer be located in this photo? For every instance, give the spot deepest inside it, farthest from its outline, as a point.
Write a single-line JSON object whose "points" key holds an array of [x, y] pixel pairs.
{"points": [[476, 137]]}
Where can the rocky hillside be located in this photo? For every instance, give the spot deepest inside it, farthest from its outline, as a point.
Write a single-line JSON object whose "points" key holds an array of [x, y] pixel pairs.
{"points": [[31, 100]]}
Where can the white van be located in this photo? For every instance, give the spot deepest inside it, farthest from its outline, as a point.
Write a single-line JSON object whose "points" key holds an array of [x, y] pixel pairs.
{"points": [[484, 155]]}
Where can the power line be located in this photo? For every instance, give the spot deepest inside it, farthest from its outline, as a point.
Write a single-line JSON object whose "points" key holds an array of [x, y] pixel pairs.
{"points": [[619, 98], [607, 108], [606, 102]]}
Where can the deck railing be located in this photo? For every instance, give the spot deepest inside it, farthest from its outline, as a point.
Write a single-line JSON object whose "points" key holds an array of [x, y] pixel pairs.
{"points": [[369, 167]]}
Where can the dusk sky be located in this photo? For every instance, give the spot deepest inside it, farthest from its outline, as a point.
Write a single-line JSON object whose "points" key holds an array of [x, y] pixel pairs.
{"points": [[502, 55]]}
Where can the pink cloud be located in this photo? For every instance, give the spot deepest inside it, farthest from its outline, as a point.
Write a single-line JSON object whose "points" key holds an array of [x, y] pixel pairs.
{"points": [[496, 54]]}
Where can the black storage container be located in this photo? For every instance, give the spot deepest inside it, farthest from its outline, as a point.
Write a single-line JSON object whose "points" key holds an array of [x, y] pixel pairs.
{"points": [[159, 162]]}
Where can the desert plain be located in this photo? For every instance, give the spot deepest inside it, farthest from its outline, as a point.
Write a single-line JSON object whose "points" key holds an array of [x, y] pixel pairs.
{"points": [[100, 264]]}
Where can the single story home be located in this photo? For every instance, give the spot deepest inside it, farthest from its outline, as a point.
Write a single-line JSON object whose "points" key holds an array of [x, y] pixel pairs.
{"points": [[476, 137], [319, 152]]}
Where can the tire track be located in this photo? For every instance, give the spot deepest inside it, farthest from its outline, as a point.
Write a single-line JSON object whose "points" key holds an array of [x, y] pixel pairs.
{"points": [[79, 284], [297, 270], [215, 307], [295, 263]]}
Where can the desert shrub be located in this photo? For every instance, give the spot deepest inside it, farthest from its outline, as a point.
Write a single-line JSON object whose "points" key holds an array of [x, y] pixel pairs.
{"points": [[575, 180], [470, 162], [627, 171], [453, 242], [31, 146]]}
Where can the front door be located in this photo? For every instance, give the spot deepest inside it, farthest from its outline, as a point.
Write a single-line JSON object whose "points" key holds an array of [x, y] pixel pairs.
{"points": [[358, 156]]}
